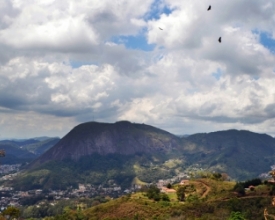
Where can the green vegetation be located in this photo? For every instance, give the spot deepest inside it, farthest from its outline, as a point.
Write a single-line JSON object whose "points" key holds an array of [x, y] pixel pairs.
{"points": [[236, 216], [154, 193], [122, 170], [200, 199], [181, 193], [95, 169], [61, 209], [11, 213], [241, 154]]}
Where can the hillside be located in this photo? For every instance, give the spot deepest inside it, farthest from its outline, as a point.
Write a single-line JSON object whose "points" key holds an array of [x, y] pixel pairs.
{"points": [[204, 198], [219, 203], [242, 154]]}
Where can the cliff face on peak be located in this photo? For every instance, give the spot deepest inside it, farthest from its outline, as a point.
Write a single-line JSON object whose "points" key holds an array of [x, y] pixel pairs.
{"points": [[122, 137]]}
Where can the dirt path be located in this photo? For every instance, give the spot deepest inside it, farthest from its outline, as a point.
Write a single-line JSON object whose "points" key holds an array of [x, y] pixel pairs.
{"points": [[208, 188]]}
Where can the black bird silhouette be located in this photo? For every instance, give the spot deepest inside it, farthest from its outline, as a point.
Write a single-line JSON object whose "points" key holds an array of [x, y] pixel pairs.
{"points": [[220, 39], [209, 8], [160, 28]]}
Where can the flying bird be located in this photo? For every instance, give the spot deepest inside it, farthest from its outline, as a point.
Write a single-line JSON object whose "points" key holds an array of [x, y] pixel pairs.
{"points": [[209, 8], [160, 28], [220, 39]]}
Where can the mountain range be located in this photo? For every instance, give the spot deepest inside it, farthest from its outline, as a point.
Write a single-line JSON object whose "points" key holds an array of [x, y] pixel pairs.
{"points": [[24, 151], [123, 153]]}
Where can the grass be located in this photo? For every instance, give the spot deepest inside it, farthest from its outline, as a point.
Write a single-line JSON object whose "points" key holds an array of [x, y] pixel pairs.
{"points": [[137, 181], [218, 189], [218, 201]]}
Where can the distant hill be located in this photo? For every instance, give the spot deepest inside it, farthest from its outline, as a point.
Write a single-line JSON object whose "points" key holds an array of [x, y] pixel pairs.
{"points": [[14, 154], [21, 151], [19, 143], [242, 154], [42, 146], [45, 138], [123, 152]]}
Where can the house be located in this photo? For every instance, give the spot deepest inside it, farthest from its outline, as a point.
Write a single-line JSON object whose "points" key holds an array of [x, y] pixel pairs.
{"points": [[184, 182], [167, 190], [38, 191], [81, 187]]}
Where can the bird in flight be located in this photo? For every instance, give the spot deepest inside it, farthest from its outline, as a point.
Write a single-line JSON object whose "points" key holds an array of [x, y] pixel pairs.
{"points": [[220, 39], [209, 8], [160, 28]]}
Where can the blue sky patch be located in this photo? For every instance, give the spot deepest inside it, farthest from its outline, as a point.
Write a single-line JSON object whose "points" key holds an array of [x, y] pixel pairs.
{"points": [[138, 42], [217, 74], [266, 40], [156, 10], [76, 64]]}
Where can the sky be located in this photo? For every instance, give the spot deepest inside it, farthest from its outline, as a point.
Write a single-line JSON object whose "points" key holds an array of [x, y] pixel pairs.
{"points": [[158, 62]]}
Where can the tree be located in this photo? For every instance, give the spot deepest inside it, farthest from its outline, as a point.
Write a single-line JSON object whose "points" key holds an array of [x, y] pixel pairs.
{"points": [[165, 197], [153, 193], [239, 188], [181, 193], [192, 198], [217, 176], [11, 212]]}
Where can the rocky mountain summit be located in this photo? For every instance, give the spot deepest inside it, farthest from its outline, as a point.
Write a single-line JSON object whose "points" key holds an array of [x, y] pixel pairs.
{"points": [[122, 137]]}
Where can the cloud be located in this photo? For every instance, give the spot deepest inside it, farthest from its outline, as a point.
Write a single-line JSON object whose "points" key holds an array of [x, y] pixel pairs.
{"points": [[73, 62], [7, 14]]}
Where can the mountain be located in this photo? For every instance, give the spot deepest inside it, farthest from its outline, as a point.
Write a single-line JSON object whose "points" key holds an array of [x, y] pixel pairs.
{"points": [[21, 151], [107, 154], [123, 153], [242, 154], [14, 154], [124, 138]]}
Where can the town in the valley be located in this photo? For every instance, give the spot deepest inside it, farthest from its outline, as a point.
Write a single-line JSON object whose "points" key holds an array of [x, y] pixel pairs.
{"points": [[10, 197]]}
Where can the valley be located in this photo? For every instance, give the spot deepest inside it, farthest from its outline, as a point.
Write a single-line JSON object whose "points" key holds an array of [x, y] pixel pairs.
{"points": [[118, 163]]}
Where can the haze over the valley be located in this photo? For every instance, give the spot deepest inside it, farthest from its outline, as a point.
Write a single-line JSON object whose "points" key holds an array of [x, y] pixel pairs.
{"points": [[154, 62]]}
